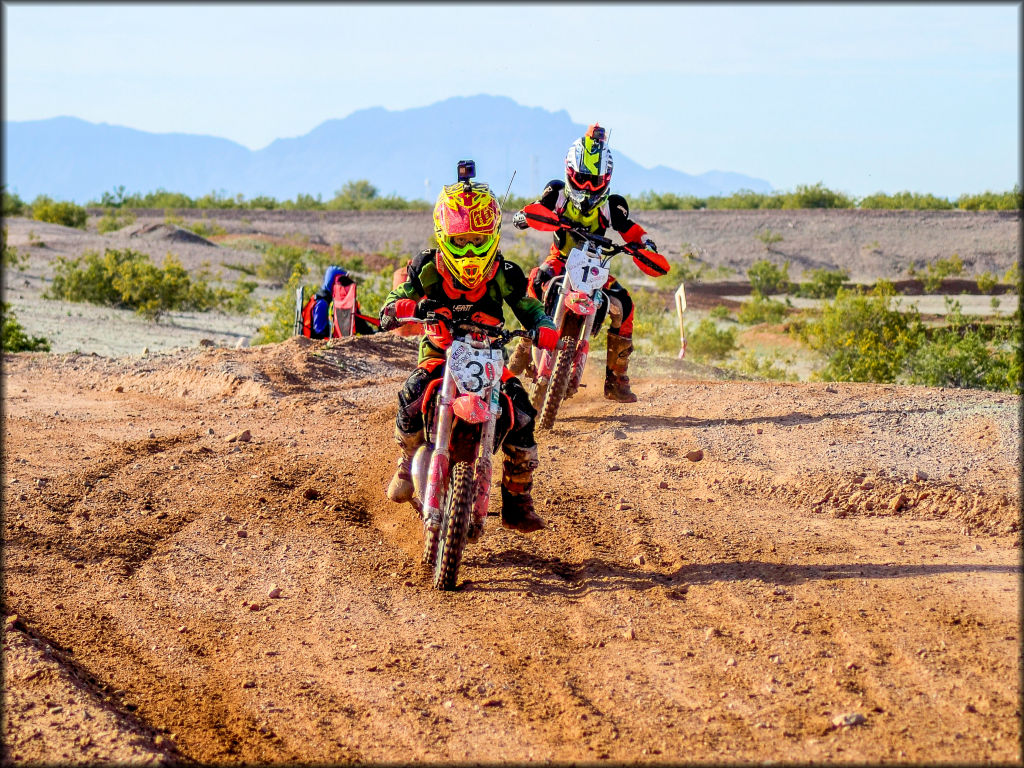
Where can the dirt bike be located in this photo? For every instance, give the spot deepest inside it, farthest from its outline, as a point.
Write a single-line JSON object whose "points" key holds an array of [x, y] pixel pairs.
{"points": [[577, 305], [451, 472]]}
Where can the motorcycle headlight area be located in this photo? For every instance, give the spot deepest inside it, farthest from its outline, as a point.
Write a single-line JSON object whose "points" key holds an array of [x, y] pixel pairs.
{"points": [[585, 271], [474, 369]]}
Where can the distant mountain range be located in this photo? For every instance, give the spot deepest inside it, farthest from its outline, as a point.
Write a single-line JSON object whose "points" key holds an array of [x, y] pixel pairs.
{"points": [[407, 152]]}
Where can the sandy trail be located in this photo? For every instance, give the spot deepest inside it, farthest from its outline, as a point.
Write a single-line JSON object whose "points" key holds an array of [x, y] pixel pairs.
{"points": [[730, 608]]}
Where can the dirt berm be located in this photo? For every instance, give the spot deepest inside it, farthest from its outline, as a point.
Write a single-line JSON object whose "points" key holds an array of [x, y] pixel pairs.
{"points": [[200, 565]]}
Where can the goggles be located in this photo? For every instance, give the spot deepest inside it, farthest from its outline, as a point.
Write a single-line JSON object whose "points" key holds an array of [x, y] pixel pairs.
{"points": [[588, 181], [470, 249]]}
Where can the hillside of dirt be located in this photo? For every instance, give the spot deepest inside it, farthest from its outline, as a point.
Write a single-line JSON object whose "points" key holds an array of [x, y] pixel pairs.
{"points": [[200, 565], [867, 244]]}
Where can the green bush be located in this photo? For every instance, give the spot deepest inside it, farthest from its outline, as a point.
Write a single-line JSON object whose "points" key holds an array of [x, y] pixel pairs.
{"points": [[114, 219], [749, 363], [822, 283], [281, 324], [10, 257], [987, 281], [745, 199], [968, 355], [760, 309], [706, 342], [66, 214], [992, 201], [767, 278], [12, 204], [936, 271], [128, 279], [206, 228], [815, 196], [863, 336], [911, 201], [280, 261], [721, 312], [769, 238], [14, 337]]}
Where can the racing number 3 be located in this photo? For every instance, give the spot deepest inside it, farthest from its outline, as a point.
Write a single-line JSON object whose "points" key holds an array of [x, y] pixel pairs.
{"points": [[477, 369]]}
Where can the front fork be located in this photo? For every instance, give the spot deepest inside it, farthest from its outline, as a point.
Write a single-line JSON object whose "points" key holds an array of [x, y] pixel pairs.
{"points": [[484, 467], [438, 470], [437, 474], [546, 359]]}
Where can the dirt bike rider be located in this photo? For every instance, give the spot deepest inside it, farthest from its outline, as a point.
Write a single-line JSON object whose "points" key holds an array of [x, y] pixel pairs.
{"points": [[466, 277], [584, 198]]}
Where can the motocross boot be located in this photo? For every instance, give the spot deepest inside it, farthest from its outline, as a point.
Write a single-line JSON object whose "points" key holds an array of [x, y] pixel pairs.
{"points": [[521, 357], [401, 489], [516, 482], [616, 382]]}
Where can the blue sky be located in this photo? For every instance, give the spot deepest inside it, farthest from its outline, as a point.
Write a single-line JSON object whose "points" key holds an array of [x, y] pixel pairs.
{"points": [[861, 97]]}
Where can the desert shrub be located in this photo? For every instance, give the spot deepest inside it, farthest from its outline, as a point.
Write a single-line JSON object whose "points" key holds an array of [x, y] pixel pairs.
{"points": [[692, 268], [911, 201], [767, 278], [10, 257], [220, 201], [304, 203], [992, 201], [707, 342], [862, 335], [65, 213], [936, 271], [745, 199], [968, 355], [665, 201], [128, 279], [12, 204], [815, 196], [987, 281], [721, 312], [14, 337], [238, 299], [206, 228], [769, 238], [760, 309], [655, 326], [173, 220], [280, 261], [281, 323], [821, 283], [114, 219], [262, 202], [749, 363]]}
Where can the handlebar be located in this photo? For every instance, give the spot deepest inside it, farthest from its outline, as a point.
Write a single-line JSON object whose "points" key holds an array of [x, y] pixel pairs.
{"points": [[649, 261], [500, 336], [549, 222]]}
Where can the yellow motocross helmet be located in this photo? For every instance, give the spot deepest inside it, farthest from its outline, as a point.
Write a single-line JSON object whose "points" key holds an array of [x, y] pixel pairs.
{"points": [[467, 220]]}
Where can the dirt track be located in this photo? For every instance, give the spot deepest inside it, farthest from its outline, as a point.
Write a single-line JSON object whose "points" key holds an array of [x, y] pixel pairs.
{"points": [[729, 609]]}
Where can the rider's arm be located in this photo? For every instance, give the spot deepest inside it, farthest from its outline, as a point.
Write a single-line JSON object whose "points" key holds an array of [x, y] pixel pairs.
{"points": [[631, 231], [528, 310]]}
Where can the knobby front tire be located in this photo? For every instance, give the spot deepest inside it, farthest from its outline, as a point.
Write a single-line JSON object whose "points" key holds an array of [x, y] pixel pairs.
{"points": [[458, 511]]}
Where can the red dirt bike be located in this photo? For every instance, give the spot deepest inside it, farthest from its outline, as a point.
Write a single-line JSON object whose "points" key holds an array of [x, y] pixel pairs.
{"points": [[578, 305], [451, 472]]}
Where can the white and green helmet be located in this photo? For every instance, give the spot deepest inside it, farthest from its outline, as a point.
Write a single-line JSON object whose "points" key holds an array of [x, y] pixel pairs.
{"points": [[588, 169]]}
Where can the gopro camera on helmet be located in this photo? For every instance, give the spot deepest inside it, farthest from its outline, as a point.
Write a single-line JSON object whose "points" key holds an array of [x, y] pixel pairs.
{"points": [[467, 170]]}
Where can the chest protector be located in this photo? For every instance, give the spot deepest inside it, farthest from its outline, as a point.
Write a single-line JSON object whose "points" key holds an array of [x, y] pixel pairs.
{"points": [[596, 221]]}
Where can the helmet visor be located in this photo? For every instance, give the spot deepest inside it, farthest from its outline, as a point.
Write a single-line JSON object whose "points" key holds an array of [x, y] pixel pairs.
{"points": [[588, 181]]}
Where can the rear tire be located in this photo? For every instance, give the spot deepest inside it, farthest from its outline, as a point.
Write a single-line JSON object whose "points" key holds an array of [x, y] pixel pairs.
{"points": [[558, 383], [458, 511]]}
